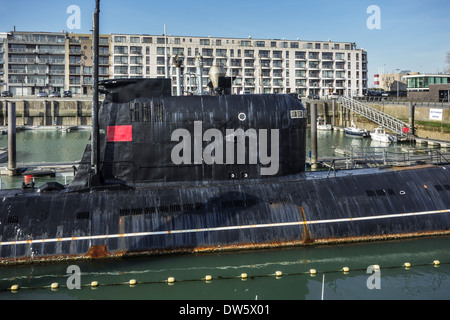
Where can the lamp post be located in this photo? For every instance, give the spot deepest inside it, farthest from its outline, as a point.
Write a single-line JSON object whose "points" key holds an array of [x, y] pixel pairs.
{"points": [[398, 79]]}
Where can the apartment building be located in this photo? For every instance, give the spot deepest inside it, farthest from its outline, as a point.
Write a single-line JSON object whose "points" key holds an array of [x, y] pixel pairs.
{"points": [[258, 65], [79, 62], [49, 61], [2, 61], [35, 61]]}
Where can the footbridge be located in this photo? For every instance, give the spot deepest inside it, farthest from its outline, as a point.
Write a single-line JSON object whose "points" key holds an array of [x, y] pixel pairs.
{"points": [[387, 121]]}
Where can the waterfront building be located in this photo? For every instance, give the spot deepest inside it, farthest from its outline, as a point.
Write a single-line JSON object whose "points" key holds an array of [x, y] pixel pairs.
{"points": [[428, 87], [35, 61], [393, 82], [257, 65], [2, 61], [79, 62], [49, 61]]}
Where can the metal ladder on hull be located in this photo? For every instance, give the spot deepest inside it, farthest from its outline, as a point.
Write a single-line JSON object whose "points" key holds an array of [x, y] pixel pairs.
{"points": [[389, 122]]}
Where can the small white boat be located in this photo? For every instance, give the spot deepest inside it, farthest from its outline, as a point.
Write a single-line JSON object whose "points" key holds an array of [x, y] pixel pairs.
{"points": [[355, 131], [380, 135], [322, 125]]}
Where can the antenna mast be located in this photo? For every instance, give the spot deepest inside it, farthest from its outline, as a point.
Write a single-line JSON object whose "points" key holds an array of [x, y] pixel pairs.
{"points": [[95, 126]]}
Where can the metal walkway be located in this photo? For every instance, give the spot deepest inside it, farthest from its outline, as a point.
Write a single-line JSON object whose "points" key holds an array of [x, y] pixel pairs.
{"points": [[368, 112]]}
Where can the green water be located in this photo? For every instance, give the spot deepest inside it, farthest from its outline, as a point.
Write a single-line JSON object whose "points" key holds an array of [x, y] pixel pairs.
{"points": [[422, 280], [45, 146]]}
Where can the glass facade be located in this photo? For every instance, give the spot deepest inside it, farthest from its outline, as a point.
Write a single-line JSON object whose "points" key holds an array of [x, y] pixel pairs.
{"points": [[425, 81]]}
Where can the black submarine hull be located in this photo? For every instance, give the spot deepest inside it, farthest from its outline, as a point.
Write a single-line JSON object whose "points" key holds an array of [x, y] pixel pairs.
{"points": [[116, 221]]}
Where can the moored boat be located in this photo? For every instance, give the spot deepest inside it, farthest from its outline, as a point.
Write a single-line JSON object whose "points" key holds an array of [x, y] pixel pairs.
{"points": [[355, 131], [381, 135], [323, 125]]}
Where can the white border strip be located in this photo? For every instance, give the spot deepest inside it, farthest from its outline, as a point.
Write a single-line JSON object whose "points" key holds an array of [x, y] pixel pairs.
{"points": [[251, 226]]}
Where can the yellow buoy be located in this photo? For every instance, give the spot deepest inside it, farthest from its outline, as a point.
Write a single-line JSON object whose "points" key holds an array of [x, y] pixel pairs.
{"points": [[208, 278], [436, 262], [312, 271], [170, 280], [54, 285], [132, 282], [278, 273], [345, 269], [94, 284], [243, 276], [407, 265], [14, 287]]}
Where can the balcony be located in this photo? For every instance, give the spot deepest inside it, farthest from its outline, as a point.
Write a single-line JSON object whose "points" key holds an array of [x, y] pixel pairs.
{"points": [[17, 71], [21, 61], [56, 72], [51, 61], [75, 51], [51, 51], [277, 56], [58, 81], [21, 50]]}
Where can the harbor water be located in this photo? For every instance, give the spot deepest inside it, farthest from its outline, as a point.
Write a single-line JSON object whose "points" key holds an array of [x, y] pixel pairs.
{"points": [[423, 279]]}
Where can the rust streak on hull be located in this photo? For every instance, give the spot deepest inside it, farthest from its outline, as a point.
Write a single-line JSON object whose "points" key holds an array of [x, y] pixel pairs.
{"points": [[101, 252]]}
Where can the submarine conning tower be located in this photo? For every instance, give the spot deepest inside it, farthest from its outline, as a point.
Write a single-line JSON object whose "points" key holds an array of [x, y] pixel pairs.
{"points": [[147, 135]]}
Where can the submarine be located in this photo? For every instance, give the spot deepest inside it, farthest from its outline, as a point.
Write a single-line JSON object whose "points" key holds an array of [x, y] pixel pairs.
{"points": [[205, 173]]}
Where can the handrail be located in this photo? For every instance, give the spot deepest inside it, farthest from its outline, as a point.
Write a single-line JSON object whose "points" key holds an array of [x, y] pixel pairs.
{"points": [[375, 115]]}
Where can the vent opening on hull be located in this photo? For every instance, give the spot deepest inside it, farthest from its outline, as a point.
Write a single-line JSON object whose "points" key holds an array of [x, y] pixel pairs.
{"points": [[82, 215]]}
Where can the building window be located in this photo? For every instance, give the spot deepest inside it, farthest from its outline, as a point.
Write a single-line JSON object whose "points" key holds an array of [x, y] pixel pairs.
{"points": [[176, 51], [204, 42], [136, 60], [221, 52], [120, 69], [120, 50], [120, 39], [136, 70], [120, 59], [207, 52]]}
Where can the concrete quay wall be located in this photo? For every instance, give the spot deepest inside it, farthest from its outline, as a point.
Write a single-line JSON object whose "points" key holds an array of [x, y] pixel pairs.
{"points": [[47, 112]]}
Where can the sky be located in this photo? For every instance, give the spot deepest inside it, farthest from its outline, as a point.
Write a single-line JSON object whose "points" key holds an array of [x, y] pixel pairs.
{"points": [[400, 34]]}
